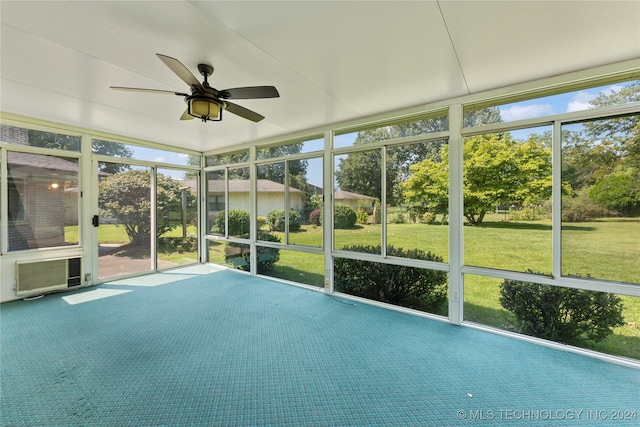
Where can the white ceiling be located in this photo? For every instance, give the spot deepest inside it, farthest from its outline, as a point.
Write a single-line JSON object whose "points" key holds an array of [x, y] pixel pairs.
{"points": [[330, 60]]}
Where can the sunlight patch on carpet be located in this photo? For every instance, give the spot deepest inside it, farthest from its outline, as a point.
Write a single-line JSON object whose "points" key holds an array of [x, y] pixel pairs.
{"points": [[92, 295]]}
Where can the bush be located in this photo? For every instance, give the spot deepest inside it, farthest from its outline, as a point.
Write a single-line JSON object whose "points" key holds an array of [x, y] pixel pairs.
{"points": [[277, 223], [239, 254], [239, 222], [561, 314], [362, 216], [261, 221], [532, 213], [397, 218], [581, 209], [411, 287], [178, 244], [315, 217], [429, 217], [344, 216]]}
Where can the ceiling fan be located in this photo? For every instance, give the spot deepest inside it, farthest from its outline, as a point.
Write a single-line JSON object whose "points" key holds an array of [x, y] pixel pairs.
{"points": [[205, 102]]}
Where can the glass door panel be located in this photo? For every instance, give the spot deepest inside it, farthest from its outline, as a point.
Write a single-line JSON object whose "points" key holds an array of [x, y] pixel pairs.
{"points": [[124, 231], [177, 217]]}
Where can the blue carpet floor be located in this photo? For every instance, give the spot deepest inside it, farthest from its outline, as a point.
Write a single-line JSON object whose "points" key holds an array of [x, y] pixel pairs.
{"points": [[227, 349]]}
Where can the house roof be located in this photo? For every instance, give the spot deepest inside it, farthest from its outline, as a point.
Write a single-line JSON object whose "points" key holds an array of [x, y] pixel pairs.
{"points": [[28, 163], [346, 195]]}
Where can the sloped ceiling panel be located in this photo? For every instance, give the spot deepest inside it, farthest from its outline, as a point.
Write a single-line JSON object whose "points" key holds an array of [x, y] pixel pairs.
{"points": [[331, 61], [500, 43]]}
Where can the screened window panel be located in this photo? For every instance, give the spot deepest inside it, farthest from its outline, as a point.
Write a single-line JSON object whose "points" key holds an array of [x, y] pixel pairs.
{"points": [[601, 203], [43, 201], [507, 200]]}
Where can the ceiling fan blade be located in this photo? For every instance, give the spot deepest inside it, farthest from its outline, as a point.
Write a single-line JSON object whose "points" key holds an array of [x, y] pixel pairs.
{"points": [[243, 112], [186, 115], [182, 71], [251, 92], [137, 89]]}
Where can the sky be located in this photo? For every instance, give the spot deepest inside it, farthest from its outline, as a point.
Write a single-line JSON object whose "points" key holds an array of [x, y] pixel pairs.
{"points": [[556, 104]]}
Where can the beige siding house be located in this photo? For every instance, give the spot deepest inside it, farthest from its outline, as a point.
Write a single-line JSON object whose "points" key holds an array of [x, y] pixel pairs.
{"points": [[270, 196], [354, 200]]}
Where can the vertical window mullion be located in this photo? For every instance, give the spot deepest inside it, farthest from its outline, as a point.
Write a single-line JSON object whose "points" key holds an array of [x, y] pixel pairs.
{"points": [[286, 202], [153, 212], [4, 201], [556, 203], [456, 219], [383, 200]]}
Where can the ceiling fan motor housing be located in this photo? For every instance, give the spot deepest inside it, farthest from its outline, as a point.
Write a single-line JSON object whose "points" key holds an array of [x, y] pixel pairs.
{"points": [[205, 69]]}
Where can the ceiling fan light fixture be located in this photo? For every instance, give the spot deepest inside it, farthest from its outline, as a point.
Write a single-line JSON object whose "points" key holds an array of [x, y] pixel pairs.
{"points": [[204, 108]]}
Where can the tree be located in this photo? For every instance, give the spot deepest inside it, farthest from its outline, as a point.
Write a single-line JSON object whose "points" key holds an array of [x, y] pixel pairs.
{"points": [[498, 170], [619, 191], [276, 171], [427, 188], [193, 160], [482, 116], [602, 159], [361, 172], [126, 196], [53, 140], [114, 149]]}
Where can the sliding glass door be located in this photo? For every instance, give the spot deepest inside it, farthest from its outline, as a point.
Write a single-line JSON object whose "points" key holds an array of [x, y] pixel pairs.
{"points": [[124, 219]]}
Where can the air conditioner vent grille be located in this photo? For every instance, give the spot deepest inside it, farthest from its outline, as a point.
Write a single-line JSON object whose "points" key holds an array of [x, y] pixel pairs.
{"points": [[43, 275]]}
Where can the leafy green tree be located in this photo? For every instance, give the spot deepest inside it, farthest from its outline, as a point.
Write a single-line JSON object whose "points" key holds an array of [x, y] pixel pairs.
{"points": [[498, 170], [427, 188], [602, 159], [361, 172], [53, 140], [619, 191], [482, 116], [72, 143], [276, 171], [126, 196], [192, 160], [114, 149]]}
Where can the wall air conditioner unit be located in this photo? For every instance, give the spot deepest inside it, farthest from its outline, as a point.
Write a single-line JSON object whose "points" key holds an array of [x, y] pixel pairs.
{"points": [[47, 275]]}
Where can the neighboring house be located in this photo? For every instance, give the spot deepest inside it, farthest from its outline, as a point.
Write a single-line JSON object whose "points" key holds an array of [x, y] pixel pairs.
{"points": [[354, 200], [270, 196], [38, 203]]}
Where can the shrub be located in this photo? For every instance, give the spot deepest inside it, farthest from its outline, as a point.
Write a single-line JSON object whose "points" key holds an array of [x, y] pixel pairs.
{"points": [[561, 314], [397, 218], [532, 213], [344, 216], [261, 221], [315, 217], [239, 254], [238, 222], [362, 216], [405, 286], [316, 201], [377, 215], [581, 209], [277, 223], [178, 244], [429, 217]]}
